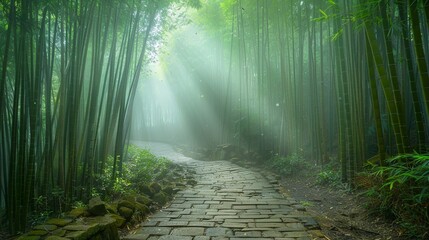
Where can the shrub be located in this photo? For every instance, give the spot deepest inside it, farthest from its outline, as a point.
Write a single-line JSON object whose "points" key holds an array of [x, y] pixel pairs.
{"points": [[141, 166], [288, 165], [329, 177], [403, 192]]}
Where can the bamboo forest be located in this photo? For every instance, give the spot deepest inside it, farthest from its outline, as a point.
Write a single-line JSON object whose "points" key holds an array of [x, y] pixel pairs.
{"points": [[214, 119]]}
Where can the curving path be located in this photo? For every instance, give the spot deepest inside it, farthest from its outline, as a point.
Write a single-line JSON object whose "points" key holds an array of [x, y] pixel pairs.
{"points": [[228, 202]]}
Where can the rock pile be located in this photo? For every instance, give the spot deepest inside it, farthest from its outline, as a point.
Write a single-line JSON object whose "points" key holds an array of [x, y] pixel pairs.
{"points": [[101, 220]]}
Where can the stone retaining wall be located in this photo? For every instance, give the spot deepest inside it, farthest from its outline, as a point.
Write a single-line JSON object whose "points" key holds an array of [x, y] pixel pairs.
{"points": [[91, 228]]}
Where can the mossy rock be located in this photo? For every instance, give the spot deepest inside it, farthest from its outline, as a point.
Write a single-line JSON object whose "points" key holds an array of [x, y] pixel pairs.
{"points": [[191, 182], [56, 238], [142, 199], [26, 237], [111, 209], [59, 232], [155, 187], [125, 212], [168, 190], [97, 207], [162, 174], [78, 212], [46, 227], [119, 221], [177, 189], [143, 188], [142, 208], [103, 221], [90, 228], [128, 204], [129, 197], [82, 231], [38, 232], [171, 176], [160, 198], [60, 222], [77, 235]]}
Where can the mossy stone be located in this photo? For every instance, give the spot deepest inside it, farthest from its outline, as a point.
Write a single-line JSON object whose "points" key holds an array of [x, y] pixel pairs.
{"points": [[119, 221], [168, 190], [37, 232], [59, 232], [26, 237], [143, 188], [60, 222], [156, 187], [128, 204], [160, 198], [77, 235], [143, 200], [101, 220], [142, 208], [111, 209], [97, 207], [129, 197], [125, 212], [191, 182], [87, 230], [78, 212], [82, 227], [46, 227], [56, 238]]}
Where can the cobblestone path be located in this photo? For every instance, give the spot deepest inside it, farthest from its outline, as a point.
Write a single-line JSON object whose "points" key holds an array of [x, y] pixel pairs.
{"points": [[228, 202]]}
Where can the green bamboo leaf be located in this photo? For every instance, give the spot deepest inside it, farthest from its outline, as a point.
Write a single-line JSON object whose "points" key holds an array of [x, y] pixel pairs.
{"points": [[325, 16], [337, 35]]}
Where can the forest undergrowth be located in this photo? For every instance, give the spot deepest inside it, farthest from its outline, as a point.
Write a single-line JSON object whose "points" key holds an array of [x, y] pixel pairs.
{"points": [[386, 202], [140, 172]]}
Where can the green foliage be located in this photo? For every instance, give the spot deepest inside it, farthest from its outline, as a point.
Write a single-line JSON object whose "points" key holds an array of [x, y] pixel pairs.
{"points": [[403, 192], [42, 210], [288, 165], [329, 177], [141, 166], [306, 203]]}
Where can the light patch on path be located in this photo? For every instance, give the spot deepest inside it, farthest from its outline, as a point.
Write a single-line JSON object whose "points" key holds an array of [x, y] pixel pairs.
{"points": [[228, 202]]}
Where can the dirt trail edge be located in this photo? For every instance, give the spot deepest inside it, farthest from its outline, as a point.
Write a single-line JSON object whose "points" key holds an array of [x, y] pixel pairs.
{"points": [[227, 202]]}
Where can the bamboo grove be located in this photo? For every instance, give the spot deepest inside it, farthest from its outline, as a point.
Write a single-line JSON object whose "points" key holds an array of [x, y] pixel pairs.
{"points": [[335, 80], [69, 73], [342, 81]]}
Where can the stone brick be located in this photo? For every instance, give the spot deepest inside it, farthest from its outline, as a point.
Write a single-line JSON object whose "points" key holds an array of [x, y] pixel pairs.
{"points": [[219, 231], [188, 231], [201, 224], [201, 238], [155, 230], [173, 224], [171, 237], [272, 234], [234, 225], [248, 234]]}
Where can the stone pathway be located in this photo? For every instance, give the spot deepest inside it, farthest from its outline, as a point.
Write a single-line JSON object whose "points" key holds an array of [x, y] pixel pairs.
{"points": [[228, 202]]}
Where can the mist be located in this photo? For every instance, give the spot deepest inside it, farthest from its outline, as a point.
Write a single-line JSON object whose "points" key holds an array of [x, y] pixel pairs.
{"points": [[337, 85]]}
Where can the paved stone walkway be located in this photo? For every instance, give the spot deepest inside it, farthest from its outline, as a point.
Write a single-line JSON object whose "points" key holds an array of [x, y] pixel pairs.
{"points": [[228, 202]]}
